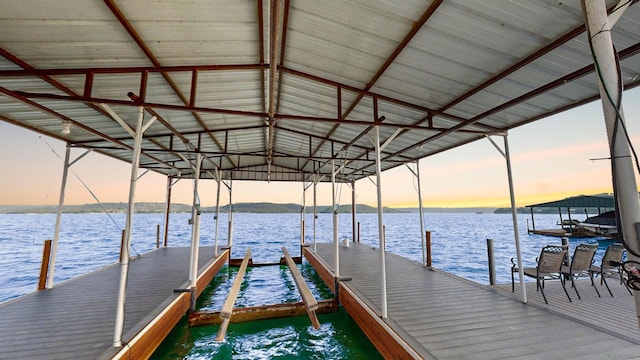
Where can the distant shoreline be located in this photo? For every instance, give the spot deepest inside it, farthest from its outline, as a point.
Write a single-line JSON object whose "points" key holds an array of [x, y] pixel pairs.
{"points": [[257, 207]]}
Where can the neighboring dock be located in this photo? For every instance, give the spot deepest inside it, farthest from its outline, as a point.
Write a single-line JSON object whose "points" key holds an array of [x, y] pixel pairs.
{"points": [[435, 315], [76, 319]]}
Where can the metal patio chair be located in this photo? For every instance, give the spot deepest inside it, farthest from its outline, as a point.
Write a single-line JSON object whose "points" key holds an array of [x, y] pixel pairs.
{"points": [[580, 265], [549, 267], [610, 265]]}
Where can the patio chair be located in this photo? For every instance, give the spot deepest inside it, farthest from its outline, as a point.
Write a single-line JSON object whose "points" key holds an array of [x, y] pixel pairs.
{"points": [[580, 265], [610, 265], [549, 267]]}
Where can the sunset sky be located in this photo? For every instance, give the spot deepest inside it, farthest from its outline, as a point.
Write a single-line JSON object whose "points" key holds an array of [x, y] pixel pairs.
{"points": [[551, 158]]}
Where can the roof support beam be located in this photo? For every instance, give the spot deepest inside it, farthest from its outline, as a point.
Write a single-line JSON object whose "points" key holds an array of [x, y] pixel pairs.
{"points": [[89, 71], [380, 97], [626, 53], [145, 49], [572, 34], [7, 55], [396, 52]]}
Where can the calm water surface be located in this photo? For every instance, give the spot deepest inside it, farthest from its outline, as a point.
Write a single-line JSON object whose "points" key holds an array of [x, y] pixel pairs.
{"points": [[90, 241]]}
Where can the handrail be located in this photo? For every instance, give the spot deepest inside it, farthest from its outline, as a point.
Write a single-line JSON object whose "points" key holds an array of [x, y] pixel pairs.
{"points": [[309, 300], [227, 308]]}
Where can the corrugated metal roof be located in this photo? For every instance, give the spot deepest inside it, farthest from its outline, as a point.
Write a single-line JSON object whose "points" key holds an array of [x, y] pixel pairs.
{"points": [[278, 101]]}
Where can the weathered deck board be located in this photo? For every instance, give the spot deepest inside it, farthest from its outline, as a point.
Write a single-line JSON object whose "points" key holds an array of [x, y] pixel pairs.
{"points": [[76, 319], [447, 317]]}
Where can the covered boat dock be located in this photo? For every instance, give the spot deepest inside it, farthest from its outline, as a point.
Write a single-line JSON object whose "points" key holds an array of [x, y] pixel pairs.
{"points": [[308, 92], [569, 226]]}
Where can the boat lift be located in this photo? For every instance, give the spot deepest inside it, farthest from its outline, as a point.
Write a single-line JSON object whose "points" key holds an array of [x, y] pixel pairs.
{"points": [[228, 314]]}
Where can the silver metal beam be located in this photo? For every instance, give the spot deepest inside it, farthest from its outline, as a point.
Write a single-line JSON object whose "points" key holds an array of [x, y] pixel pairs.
{"points": [[381, 239], [624, 181], [195, 234], [56, 234]]}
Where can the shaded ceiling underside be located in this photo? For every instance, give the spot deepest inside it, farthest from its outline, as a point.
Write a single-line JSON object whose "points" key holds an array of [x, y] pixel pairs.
{"points": [[274, 90]]}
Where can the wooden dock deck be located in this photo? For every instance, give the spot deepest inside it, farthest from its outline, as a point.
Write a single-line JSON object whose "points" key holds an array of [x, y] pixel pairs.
{"points": [[435, 315], [76, 319]]}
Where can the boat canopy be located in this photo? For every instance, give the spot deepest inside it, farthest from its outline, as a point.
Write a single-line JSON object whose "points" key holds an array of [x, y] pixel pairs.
{"points": [[276, 90], [580, 201]]}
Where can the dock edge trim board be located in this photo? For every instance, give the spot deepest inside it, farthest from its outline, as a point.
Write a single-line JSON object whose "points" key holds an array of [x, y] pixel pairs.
{"points": [[145, 342], [386, 340]]}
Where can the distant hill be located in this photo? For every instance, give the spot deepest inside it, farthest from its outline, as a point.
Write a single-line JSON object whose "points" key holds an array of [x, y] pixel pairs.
{"points": [[114, 208], [253, 207]]}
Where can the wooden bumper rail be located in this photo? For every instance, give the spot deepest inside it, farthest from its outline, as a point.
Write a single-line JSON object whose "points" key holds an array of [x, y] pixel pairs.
{"points": [[227, 308], [261, 312], [309, 300]]}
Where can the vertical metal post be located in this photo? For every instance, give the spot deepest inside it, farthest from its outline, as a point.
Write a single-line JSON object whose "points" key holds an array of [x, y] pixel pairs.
{"points": [[336, 246], [217, 216], [230, 230], [492, 262], [624, 180], [124, 261], [422, 234], [302, 213], [56, 234], [354, 224], [167, 210], [315, 213], [195, 233], [381, 240], [514, 216], [533, 222]]}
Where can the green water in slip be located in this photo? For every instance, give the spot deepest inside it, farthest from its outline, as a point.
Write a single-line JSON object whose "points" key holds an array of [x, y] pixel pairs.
{"points": [[290, 338]]}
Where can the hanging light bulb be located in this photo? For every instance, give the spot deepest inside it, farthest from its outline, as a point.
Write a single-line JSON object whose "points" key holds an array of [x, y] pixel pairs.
{"points": [[66, 128]]}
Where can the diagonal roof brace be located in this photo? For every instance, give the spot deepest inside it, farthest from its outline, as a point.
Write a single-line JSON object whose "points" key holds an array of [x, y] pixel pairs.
{"points": [[390, 139]]}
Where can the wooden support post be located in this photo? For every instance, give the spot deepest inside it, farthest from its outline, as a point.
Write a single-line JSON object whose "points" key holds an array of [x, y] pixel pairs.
{"points": [[157, 236], [122, 245], [44, 267], [428, 238], [309, 300], [227, 308]]}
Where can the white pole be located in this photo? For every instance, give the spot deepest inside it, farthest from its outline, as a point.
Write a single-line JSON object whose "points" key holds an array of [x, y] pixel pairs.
{"points": [[217, 216], [514, 216], [167, 210], [195, 232], [422, 233], [124, 261], [230, 232], [315, 213], [624, 184], [302, 211], [336, 247], [56, 234], [381, 240], [354, 218]]}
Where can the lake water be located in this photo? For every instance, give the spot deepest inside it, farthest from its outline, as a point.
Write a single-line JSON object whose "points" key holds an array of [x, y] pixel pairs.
{"points": [[90, 241]]}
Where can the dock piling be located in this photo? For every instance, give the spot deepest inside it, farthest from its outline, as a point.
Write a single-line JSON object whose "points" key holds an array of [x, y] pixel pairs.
{"points": [[492, 262], [44, 267], [428, 240]]}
